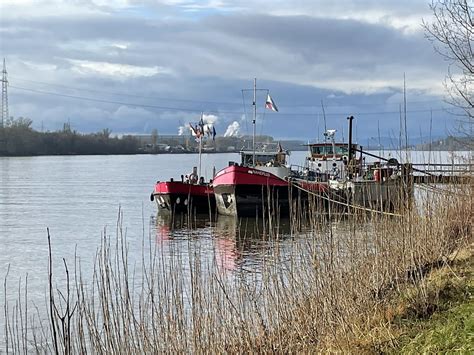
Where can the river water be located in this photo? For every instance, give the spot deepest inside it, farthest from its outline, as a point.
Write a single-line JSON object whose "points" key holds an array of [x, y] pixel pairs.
{"points": [[79, 198]]}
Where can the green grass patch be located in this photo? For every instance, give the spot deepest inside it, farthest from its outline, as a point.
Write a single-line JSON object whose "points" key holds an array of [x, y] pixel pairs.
{"points": [[444, 332], [438, 317]]}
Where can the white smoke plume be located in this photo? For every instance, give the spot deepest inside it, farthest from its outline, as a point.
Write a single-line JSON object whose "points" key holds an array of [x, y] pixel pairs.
{"points": [[209, 122], [209, 119], [232, 130]]}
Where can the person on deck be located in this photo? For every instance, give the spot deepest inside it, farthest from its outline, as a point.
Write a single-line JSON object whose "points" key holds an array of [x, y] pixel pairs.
{"points": [[193, 177]]}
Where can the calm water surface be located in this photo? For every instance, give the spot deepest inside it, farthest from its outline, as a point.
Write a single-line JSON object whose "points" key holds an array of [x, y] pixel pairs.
{"points": [[79, 197]]}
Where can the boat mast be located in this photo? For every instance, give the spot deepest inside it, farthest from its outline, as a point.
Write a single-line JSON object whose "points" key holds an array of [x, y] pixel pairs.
{"points": [[333, 143], [200, 148], [254, 116], [325, 128]]}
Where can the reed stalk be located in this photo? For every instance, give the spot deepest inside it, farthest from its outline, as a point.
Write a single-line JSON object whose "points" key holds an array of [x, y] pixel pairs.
{"points": [[320, 287]]}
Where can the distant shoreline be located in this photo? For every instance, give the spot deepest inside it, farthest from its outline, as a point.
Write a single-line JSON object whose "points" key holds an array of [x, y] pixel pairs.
{"points": [[374, 149], [111, 154], [19, 139]]}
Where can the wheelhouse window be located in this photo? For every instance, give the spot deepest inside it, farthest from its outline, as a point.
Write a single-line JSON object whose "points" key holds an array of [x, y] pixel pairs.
{"points": [[327, 150], [262, 160]]}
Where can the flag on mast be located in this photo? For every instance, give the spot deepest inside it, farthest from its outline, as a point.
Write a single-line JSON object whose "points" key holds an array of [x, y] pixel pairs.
{"points": [[196, 131], [201, 125], [270, 104]]}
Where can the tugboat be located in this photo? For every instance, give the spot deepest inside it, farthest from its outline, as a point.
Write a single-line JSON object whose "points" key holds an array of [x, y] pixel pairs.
{"points": [[350, 182], [329, 161], [327, 164]]}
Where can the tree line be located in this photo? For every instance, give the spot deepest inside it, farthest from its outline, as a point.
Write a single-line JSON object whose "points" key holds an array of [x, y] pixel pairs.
{"points": [[18, 138]]}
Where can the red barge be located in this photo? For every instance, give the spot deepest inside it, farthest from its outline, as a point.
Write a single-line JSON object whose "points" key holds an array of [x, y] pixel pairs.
{"points": [[191, 194], [187, 195], [260, 184], [244, 191]]}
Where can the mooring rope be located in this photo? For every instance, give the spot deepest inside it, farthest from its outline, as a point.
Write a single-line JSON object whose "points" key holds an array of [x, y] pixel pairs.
{"points": [[344, 203]]}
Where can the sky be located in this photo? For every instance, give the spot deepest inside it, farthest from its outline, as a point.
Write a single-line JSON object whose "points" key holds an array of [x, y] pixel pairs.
{"points": [[134, 66]]}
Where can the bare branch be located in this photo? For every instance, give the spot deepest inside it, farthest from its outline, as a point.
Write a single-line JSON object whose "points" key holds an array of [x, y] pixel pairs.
{"points": [[452, 33]]}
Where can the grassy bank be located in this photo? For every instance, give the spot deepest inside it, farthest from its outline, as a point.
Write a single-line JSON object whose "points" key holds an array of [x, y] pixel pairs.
{"points": [[446, 322], [364, 283], [439, 320]]}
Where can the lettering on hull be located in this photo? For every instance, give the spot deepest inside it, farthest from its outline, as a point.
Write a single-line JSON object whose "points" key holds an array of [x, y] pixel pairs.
{"points": [[258, 172]]}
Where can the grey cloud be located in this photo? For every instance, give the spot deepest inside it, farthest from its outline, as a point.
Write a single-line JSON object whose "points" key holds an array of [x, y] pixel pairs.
{"points": [[212, 57], [340, 41], [227, 43]]}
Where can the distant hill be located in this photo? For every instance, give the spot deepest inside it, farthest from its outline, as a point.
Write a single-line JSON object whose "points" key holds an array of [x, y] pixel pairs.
{"points": [[293, 145], [449, 143]]}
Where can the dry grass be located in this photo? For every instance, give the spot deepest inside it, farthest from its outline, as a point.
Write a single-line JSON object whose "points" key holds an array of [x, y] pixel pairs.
{"points": [[437, 320], [330, 290]]}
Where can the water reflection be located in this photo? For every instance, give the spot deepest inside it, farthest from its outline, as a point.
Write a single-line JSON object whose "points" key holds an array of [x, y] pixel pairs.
{"points": [[228, 242], [170, 226], [229, 254]]}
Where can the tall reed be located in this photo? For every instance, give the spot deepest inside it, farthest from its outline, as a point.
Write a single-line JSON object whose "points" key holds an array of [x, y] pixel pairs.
{"points": [[320, 288]]}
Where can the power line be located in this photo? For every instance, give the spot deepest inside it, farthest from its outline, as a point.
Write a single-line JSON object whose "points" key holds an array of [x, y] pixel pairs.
{"points": [[172, 108], [207, 101], [125, 94], [105, 101]]}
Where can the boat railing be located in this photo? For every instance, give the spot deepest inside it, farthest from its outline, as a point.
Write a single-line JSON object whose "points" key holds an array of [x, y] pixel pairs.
{"points": [[305, 173], [365, 171], [264, 147]]}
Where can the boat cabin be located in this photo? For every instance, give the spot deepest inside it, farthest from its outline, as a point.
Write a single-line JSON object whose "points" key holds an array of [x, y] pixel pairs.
{"points": [[324, 151], [263, 158], [268, 154], [330, 160]]}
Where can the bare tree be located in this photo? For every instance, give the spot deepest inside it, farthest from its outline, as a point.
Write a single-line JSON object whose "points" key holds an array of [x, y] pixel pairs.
{"points": [[452, 35]]}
